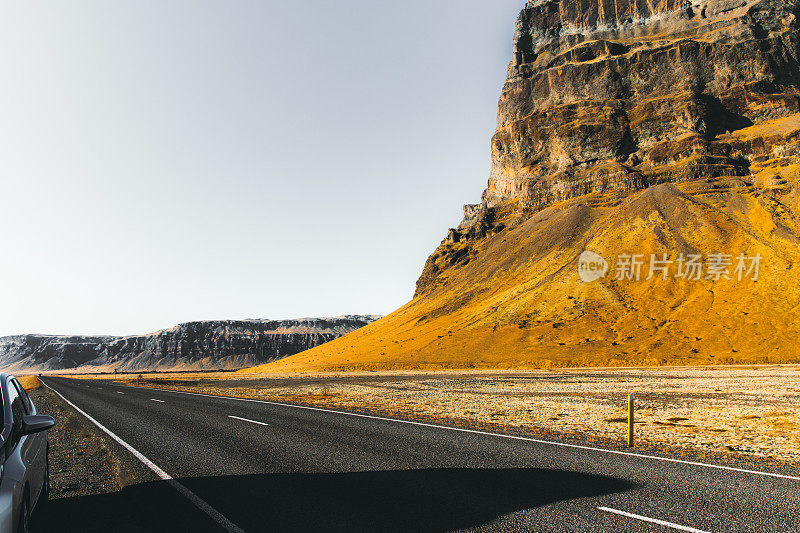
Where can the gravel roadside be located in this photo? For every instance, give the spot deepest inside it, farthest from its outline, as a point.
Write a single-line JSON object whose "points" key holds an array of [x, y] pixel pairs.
{"points": [[98, 486], [83, 459]]}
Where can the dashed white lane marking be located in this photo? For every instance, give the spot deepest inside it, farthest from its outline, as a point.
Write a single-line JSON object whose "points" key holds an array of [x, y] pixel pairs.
{"points": [[201, 504], [120, 392], [652, 520], [154, 400], [248, 420], [476, 432]]}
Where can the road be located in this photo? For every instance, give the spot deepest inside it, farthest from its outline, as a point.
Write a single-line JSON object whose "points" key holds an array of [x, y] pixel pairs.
{"points": [[257, 466]]}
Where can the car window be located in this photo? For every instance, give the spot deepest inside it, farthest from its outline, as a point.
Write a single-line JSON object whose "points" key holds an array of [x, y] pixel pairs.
{"points": [[26, 400], [17, 409]]}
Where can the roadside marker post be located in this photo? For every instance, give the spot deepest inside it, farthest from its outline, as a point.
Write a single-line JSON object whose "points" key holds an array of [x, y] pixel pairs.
{"points": [[630, 420]]}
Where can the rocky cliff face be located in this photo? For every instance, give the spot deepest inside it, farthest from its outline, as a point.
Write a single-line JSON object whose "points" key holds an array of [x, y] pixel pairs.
{"points": [[626, 129], [617, 96], [604, 98], [228, 344]]}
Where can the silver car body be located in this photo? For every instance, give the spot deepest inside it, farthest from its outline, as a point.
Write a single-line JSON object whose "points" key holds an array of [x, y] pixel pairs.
{"points": [[24, 457]]}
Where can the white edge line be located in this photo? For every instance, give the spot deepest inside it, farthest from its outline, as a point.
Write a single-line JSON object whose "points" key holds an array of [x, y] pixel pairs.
{"points": [[248, 420], [477, 432], [652, 520], [201, 504]]}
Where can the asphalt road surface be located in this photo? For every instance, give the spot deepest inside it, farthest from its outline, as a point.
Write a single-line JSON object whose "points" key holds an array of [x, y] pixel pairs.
{"points": [[222, 464]]}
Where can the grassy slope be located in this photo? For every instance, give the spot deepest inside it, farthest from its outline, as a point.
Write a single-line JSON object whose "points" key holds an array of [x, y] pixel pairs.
{"points": [[518, 302]]}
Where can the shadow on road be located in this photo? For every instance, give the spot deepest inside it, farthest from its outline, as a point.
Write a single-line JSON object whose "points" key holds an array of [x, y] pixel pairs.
{"points": [[396, 500]]}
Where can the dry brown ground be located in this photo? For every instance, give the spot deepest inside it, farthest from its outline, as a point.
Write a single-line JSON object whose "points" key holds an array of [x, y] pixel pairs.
{"points": [[29, 382], [752, 410]]}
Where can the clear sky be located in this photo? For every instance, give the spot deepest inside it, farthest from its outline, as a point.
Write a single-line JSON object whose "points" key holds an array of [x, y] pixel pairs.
{"points": [[166, 161]]}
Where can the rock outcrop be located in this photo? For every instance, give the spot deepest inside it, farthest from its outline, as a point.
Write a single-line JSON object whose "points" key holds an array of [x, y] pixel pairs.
{"points": [[226, 344], [605, 98], [626, 129], [619, 96]]}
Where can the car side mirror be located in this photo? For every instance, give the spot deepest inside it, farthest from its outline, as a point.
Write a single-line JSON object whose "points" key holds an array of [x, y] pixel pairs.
{"points": [[36, 423]]}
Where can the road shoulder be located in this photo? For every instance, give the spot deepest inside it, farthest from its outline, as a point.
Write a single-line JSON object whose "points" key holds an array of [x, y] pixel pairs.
{"points": [[97, 485]]}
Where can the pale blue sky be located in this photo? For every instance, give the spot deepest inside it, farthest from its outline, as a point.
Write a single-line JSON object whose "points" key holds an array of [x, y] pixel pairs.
{"points": [[166, 161]]}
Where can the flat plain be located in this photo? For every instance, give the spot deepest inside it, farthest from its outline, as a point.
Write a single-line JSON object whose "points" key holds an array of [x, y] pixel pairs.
{"points": [[745, 410]]}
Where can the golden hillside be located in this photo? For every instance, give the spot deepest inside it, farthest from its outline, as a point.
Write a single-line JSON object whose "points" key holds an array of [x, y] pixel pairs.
{"points": [[663, 134], [515, 299]]}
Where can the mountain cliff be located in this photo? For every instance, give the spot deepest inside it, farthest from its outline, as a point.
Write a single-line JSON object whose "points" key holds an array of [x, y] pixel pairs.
{"points": [[226, 344], [642, 206], [603, 99], [619, 96]]}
